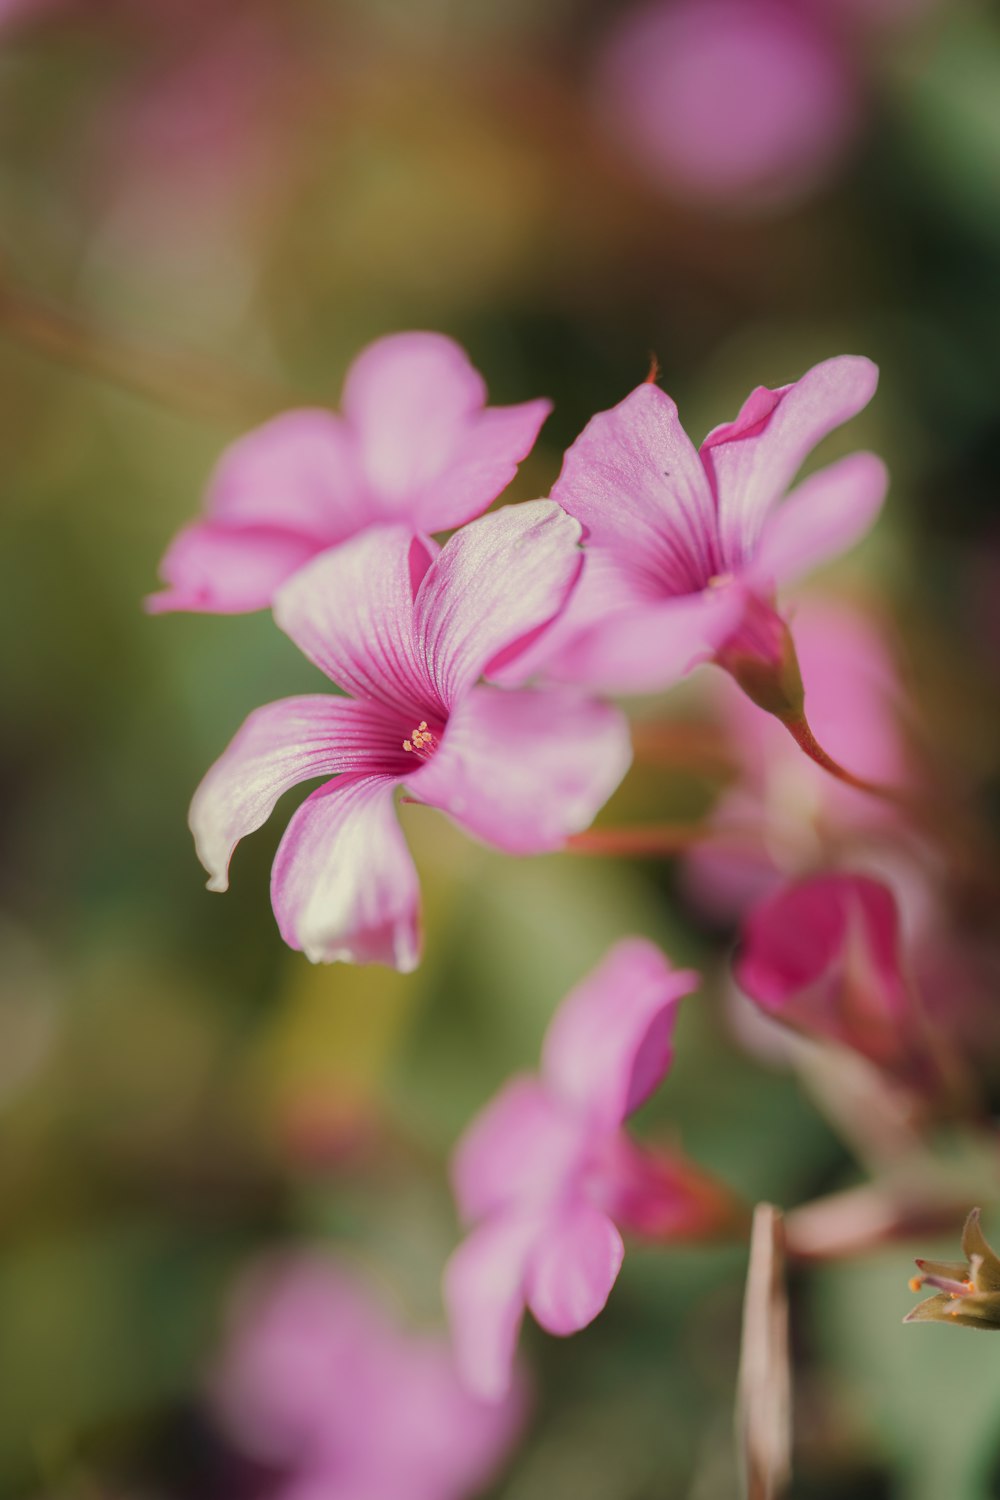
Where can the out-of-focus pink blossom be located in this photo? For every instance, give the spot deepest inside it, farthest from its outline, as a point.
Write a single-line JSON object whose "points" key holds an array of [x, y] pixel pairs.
{"points": [[822, 955], [737, 102], [546, 1176], [785, 815], [408, 630], [685, 547], [415, 444], [316, 1380]]}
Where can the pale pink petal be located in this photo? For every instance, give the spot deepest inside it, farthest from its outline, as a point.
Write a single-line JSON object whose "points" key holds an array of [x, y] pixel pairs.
{"points": [[524, 769], [278, 746], [753, 460], [297, 472], [610, 1043], [483, 465], [429, 451], [493, 585], [634, 478], [351, 612], [573, 1267], [606, 586], [217, 569], [649, 647], [343, 886], [523, 1147], [822, 517], [483, 1288]]}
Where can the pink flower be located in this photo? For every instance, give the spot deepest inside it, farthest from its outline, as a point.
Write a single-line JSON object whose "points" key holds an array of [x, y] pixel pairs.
{"points": [[823, 956], [685, 547], [783, 815], [407, 634], [745, 102], [316, 1379], [546, 1174], [416, 444]]}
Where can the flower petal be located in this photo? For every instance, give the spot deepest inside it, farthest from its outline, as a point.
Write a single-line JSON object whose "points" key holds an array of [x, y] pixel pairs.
{"points": [[218, 569], [351, 612], [822, 517], [752, 461], [634, 478], [610, 1043], [483, 1288], [428, 450], [573, 1267], [343, 885], [524, 769], [482, 466], [822, 955], [493, 584], [297, 472], [278, 746], [648, 647], [522, 1147]]}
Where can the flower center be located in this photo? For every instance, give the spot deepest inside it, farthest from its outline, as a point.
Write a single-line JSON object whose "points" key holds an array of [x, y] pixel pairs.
{"points": [[422, 742]]}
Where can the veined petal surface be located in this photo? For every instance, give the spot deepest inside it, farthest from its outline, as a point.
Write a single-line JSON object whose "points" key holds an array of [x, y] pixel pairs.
{"points": [[343, 885], [495, 582], [351, 612], [752, 461], [634, 478], [277, 747], [523, 769]]}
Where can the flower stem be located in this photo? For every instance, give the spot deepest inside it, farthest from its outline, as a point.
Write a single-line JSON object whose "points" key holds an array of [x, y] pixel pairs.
{"points": [[803, 736], [653, 840]]}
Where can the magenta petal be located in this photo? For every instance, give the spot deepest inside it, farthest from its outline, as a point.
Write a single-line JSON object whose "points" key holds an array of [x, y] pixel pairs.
{"points": [[822, 955], [482, 466], [351, 612], [494, 583], [573, 1267], [411, 399], [634, 478], [649, 647], [297, 472], [822, 517], [343, 885], [484, 1297], [753, 460], [523, 770], [218, 569], [278, 746], [610, 1043], [522, 1147]]}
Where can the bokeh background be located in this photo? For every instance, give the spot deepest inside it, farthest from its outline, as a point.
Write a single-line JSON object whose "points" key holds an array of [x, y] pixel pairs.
{"points": [[206, 209]]}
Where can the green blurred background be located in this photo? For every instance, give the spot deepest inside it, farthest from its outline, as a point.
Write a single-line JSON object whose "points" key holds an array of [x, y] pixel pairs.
{"points": [[205, 211]]}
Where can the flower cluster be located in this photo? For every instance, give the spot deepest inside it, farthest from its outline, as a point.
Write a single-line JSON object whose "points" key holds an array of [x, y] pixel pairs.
{"points": [[472, 672]]}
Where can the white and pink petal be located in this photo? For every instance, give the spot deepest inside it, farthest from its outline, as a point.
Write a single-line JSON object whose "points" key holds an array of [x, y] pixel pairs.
{"points": [[343, 885], [279, 746], [524, 769], [493, 585], [351, 612]]}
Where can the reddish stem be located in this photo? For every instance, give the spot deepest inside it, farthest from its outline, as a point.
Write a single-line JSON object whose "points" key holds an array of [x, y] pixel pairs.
{"points": [[652, 840], [806, 741]]}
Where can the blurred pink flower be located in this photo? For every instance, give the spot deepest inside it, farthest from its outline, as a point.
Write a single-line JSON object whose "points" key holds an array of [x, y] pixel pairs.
{"points": [[546, 1173], [407, 630], [416, 444], [684, 547], [822, 955], [784, 812], [315, 1379], [737, 102]]}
